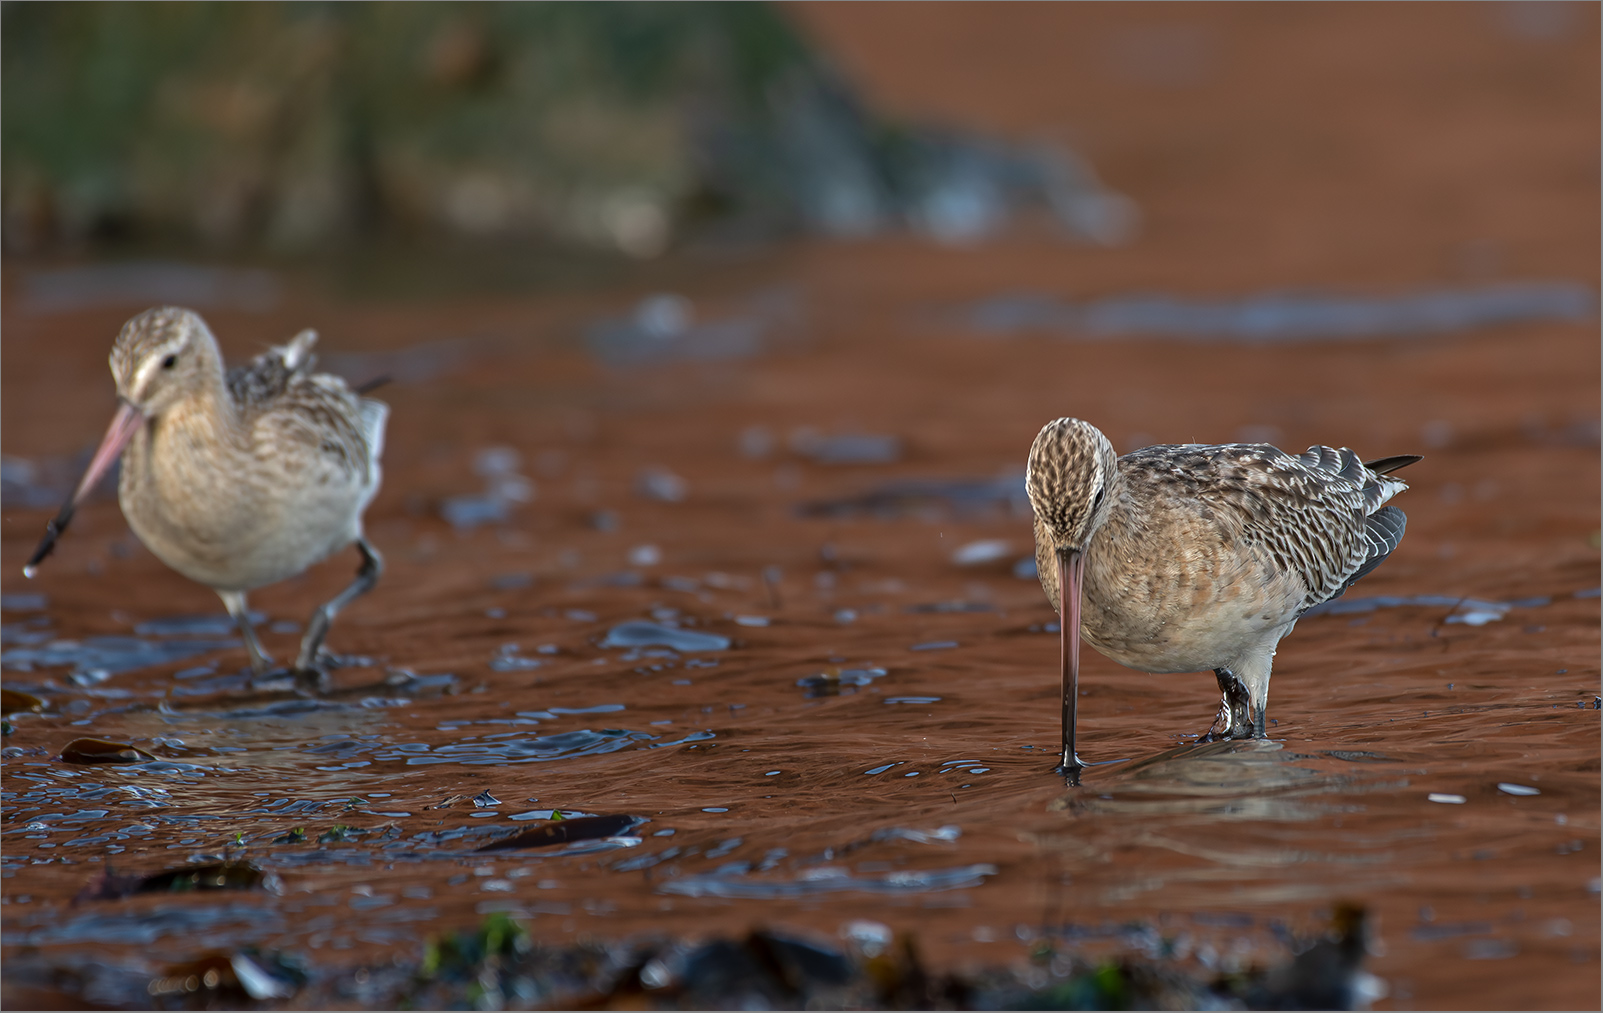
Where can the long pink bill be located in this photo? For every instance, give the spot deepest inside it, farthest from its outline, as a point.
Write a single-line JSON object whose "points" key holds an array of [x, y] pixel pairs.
{"points": [[1071, 566], [123, 426]]}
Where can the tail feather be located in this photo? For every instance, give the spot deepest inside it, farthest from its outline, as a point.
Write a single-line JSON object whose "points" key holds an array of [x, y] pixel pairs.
{"points": [[1387, 465], [1379, 485], [374, 415]]}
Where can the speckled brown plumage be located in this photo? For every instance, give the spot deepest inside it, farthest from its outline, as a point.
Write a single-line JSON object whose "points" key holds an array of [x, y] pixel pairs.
{"points": [[1203, 557], [242, 478]]}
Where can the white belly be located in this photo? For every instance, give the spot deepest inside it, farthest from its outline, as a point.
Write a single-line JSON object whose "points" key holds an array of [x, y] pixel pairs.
{"points": [[237, 532]]}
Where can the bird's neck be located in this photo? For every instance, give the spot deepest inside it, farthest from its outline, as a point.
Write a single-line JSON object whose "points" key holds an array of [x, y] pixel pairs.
{"points": [[208, 416], [194, 433]]}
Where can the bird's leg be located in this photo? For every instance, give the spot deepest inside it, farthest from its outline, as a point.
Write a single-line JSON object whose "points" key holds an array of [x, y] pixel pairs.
{"points": [[1254, 673], [234, 601], [1235, 720], [366, 576]]}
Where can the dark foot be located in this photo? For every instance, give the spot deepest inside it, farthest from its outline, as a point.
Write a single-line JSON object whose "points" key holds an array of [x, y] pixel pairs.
{"points": [[1215, 734], [313, 679], [328, 661], [1235, 720], [1223, 731], [1070, 767], [312, 682], [265, 675]]}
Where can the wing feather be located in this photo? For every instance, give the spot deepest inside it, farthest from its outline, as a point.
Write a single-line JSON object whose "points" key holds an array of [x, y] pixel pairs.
{"points": [[1319, 515], [283, 401]]}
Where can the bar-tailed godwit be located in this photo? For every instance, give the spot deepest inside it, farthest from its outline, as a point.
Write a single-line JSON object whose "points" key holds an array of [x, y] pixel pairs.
{"points": [[242, 478], [1197, 557]]}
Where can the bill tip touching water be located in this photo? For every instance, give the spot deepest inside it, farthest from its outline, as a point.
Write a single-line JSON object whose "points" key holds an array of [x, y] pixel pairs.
{"points": [[1184, 558], [237, 478]]}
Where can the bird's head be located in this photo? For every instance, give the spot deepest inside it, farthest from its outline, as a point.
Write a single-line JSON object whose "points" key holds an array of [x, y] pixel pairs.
{"points": [[1071, 469], [162, 356]]}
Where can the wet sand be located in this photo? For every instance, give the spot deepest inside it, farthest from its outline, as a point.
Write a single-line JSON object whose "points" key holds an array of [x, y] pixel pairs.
{"points": [[1385, 183]]}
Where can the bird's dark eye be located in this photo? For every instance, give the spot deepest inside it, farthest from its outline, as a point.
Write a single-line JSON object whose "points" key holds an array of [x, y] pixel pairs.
{"points": [[169, 362]]}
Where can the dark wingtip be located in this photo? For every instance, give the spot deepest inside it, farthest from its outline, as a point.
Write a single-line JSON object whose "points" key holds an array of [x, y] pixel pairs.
{"points": [[374, 384], [1387, 465]]}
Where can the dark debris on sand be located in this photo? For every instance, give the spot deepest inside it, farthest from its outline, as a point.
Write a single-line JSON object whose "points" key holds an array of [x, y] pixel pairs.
{"points": [[499, 966]]}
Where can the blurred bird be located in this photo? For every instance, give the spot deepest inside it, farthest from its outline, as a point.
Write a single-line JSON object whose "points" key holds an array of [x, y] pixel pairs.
{"points": [[1198, 556], [242, 478]]}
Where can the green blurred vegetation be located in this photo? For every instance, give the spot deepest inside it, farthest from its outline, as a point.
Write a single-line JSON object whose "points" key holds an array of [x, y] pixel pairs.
{"points": [[290, 126]]}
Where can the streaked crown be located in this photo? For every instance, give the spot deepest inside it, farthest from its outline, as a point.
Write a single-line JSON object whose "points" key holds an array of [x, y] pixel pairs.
{"points": [[162, 354], [1072, 466]]}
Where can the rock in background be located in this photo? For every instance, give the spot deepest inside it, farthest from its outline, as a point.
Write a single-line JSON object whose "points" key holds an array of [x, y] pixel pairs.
{"points": [[624, 127]]}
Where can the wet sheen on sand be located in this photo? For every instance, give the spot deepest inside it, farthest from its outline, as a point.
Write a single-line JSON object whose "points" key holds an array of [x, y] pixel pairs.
{"points": [[792, 792], [579, 648]]}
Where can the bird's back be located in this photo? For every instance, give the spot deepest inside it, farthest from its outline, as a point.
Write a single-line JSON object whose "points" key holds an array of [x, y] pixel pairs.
{"points": [[1318, 517], [308, 465], [1211, 552], [309, 422]]}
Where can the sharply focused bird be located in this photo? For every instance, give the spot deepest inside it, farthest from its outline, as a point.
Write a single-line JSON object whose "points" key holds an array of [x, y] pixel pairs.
{"points": [[1190, 557], [242, 478]]}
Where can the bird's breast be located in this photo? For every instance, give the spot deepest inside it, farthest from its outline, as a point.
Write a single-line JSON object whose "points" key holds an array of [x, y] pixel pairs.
{"points": [[1179, 597], [224, 516]]}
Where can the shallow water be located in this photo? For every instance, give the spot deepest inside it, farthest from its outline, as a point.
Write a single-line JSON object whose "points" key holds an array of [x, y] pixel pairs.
{"points": [[897, 768], [727, 588], [785, 766], [65, 290], [1285, 316]]}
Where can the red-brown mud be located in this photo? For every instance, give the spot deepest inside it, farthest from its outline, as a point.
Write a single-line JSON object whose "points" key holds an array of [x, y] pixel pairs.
{"points": [[1288, 162]]}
